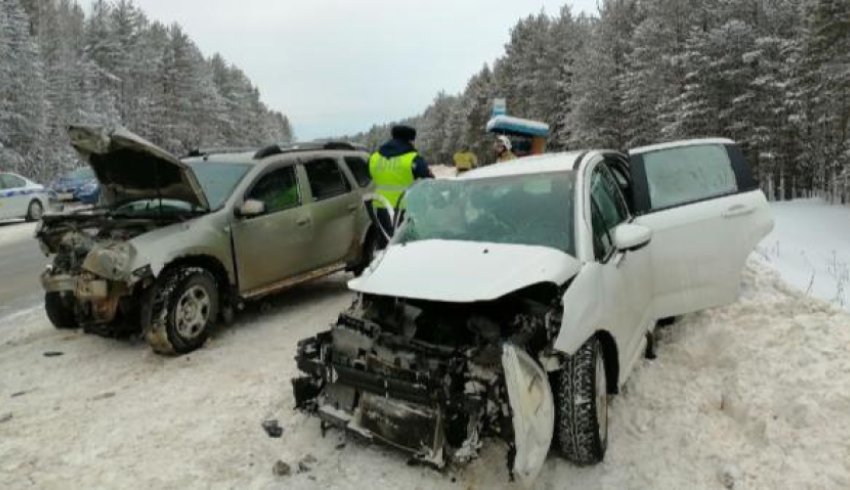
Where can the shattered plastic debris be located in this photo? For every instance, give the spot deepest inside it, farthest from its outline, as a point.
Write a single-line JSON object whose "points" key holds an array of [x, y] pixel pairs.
{"points": [[272, 428], [281, 469]]}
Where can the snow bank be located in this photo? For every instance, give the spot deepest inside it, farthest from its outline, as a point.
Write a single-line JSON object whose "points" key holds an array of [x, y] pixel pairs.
{"points": [[443, 171], [754, 395], [810, 246]]}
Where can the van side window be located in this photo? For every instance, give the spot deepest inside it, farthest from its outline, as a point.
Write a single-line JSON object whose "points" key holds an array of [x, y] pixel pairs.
{"points": [[608, 211], [687, 174]]}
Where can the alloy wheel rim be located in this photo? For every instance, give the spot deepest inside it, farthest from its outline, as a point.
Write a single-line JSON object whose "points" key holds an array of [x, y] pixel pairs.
{"points": [[192, 312]]}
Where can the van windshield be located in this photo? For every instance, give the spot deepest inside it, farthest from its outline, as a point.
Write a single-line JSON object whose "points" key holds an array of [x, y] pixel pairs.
{"points": [[522, 209]]}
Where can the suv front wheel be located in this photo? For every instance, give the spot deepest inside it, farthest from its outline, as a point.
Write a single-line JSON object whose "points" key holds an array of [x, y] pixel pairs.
{"points": [[183, 308]]}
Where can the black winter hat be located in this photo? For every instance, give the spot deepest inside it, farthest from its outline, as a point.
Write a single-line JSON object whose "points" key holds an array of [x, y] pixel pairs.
{"points": [[404, 133]]}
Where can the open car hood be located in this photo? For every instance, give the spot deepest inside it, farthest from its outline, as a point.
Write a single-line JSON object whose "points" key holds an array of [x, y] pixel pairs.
{"points": [[130, 168], [462, 271]]}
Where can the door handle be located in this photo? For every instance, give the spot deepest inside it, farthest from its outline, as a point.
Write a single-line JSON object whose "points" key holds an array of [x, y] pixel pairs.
{"points": [[353, 207], [738, 210], [302, 221]]}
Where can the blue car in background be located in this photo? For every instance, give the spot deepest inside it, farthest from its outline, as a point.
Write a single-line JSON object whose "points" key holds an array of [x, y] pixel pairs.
{"points": [[88, 193], [78, 185]]}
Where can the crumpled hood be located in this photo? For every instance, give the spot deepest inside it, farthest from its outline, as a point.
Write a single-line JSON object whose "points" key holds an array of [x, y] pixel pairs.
{"points": [[129, 167], [463, 272]]}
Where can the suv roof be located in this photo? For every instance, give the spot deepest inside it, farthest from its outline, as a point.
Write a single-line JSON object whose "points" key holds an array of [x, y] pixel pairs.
{"points": [[254, 155]]}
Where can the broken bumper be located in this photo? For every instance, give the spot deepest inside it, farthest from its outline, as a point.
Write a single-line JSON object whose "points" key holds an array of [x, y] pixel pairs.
{"points": [[373, 407], [433, 402]]}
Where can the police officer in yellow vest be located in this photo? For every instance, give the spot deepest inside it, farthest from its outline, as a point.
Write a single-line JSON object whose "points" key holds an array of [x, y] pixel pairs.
{"points": [[394, 168]]}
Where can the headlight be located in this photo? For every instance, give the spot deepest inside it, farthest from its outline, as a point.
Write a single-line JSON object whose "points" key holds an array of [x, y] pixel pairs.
{"points": [[111, 261]]}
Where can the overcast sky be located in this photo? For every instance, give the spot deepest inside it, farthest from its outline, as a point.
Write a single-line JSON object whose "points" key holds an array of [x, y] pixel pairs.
{"points": [[338, 66]]}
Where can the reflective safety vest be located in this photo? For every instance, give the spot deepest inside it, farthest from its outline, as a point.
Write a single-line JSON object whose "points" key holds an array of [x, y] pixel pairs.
{"points": [[392, 176]]}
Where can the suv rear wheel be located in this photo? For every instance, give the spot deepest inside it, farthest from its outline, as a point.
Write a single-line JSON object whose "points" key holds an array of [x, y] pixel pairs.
{"points": [[581, 394], [184, 306]]}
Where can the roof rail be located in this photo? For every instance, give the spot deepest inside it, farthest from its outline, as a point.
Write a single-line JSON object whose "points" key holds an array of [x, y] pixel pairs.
{"points": [[295, 147], [201, 152]]}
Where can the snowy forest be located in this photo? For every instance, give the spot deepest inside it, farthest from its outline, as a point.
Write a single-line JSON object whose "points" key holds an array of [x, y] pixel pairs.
{"points": [[60, 65], [773, 75]]}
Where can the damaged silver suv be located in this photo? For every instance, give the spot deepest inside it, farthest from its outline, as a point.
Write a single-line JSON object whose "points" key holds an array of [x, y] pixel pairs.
{"points": [[176, 244], [513, 301]]}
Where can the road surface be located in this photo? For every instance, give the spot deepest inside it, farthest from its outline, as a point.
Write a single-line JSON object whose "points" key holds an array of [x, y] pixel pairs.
{"points": [[21, 262]]}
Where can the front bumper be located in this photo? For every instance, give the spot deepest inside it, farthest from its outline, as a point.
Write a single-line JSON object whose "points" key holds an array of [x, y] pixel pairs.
{"points": [[97, 298]]}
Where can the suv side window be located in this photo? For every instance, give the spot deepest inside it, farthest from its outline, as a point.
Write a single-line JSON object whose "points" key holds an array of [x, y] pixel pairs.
{"points": [[688, 174], [326, 178], [609, 210], [360, 169], [278, 190]]}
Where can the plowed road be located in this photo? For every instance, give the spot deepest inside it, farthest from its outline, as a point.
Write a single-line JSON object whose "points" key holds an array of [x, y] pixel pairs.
{"points": [[21, 262]]}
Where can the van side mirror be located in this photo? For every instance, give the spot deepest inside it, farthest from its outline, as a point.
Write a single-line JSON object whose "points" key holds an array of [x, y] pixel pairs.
{"points": [[250, 208], [629, 237]]}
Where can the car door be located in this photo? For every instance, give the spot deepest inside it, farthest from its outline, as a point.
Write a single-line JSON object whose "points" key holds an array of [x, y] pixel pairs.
{"points": [[276, 244], [625, 296], [333, 207], [706, 213]]}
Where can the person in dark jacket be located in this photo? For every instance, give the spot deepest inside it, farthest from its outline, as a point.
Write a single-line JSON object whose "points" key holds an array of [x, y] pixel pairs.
{"points": [[394, 168]]}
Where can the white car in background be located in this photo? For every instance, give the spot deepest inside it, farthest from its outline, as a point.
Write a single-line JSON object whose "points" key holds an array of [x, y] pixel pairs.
{"points": [[21, 198], [514, 300]]}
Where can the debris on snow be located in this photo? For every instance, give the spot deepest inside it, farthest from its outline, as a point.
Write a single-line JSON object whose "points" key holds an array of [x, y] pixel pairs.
{"points": [[53, 353], [103, 396], [5, 417], [272, 428], [281, 469], [729, 474]]}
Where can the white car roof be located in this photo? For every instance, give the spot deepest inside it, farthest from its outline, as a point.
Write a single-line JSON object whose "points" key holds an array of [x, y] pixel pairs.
{"points": [[550, 162], [676, 144]]}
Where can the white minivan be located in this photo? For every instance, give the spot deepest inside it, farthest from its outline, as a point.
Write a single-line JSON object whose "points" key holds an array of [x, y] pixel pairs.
{"points": [[514, 300]]}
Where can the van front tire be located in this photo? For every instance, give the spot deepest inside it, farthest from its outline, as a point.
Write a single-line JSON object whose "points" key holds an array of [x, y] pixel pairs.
{"points": [[581, 395]]}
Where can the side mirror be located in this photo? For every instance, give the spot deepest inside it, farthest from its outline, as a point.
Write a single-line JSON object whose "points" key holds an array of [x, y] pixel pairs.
{"points": [[251, 207], [629, 237]]}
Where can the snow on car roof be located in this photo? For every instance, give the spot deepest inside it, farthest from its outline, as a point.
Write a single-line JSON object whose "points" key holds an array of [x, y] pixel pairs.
{"points": [[551, 162], [676, 144]]}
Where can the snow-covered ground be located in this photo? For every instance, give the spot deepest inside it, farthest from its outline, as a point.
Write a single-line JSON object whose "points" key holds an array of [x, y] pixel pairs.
{"points": [[810, 247], [752, 395]]}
